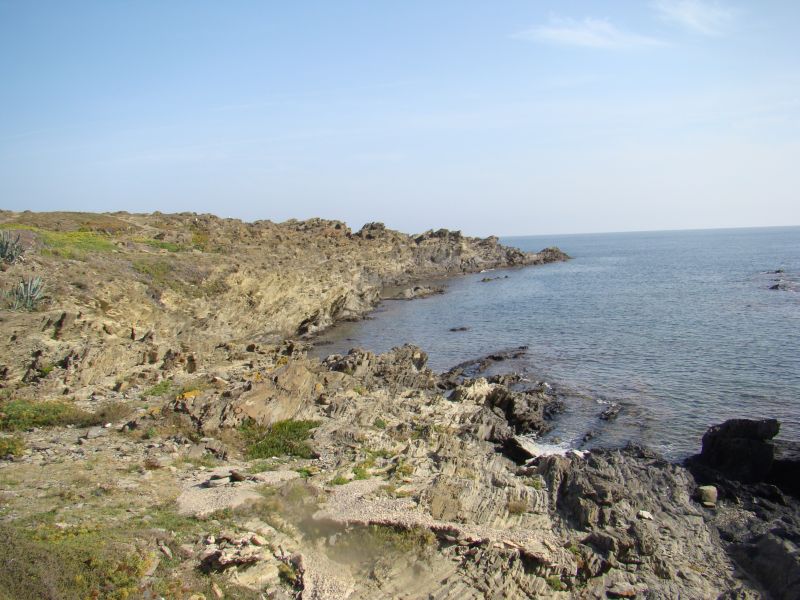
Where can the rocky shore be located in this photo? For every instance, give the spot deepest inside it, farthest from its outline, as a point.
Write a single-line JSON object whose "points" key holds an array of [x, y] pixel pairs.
{"points": [[165, 434]]}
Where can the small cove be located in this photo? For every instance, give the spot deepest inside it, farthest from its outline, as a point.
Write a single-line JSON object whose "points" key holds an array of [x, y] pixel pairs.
{"points": [[681, 329]]}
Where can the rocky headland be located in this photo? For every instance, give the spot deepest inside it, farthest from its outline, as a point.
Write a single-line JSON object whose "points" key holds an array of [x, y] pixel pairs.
{"points": [[165, 433]]}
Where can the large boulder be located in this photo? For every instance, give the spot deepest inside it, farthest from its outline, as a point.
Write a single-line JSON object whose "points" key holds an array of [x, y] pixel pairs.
{"points": [[740, 449]]}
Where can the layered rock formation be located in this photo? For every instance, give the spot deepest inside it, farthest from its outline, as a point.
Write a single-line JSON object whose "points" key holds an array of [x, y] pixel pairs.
{"points": [[130, 298], [411, 484]]}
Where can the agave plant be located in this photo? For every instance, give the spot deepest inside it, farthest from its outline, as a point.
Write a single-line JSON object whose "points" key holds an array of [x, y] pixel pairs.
{"points": [[27, 294], [10, 247]]}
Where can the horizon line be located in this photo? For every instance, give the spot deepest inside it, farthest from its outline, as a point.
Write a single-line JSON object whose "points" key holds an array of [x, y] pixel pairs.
{"points": [[673, 230]]}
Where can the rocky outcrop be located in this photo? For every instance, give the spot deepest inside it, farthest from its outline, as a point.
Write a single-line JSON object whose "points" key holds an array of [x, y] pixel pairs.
{"points": [[756, 509], [743, 450], [415, 292], [134, 298]]}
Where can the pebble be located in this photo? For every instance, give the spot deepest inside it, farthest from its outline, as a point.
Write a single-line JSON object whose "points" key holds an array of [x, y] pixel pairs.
{"points": [[643, 514]]}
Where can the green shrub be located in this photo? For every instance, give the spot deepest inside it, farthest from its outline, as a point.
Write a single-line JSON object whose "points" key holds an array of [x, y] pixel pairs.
{"points": [[10, 247], [11, 446], [517, 507], [379, 423], [161, 245], [534, 482], [160, 389], [555, 583], [279, 439], [339, 480], [18, 415], [157, 270], [26, 295], [68, 244], [360, 473], [45, 563]]}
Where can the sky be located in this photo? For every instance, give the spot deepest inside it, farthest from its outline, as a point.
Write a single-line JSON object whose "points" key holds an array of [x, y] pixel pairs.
{"points": [[509, 118]]}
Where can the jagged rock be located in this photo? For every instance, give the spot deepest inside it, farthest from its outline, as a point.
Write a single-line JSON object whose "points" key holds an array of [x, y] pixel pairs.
{"points": [[416, 292], [401, 367]]}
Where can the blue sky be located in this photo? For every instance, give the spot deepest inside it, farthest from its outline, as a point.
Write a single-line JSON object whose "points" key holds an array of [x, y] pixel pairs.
{"points": [[491, 117]]}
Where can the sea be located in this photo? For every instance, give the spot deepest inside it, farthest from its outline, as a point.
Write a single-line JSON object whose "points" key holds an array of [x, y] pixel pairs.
{"points": [[679, 329]]}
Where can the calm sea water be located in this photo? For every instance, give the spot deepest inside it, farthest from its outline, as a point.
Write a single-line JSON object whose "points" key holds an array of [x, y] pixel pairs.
{"points": [[679, 328]]}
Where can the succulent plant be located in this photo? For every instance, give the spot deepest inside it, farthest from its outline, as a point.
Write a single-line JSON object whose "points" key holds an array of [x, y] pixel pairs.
{"points": [[10, 247], [27, 294]]}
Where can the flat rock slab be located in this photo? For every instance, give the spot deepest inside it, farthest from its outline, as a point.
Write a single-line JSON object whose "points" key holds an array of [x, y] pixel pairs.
{"points": [[199, 500]]}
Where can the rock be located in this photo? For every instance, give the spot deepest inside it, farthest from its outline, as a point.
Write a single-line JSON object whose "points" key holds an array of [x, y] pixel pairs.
{"points": [[236, 476], [621, 591], [186, 550], [95, 432], [405, 366], [415, 292], [217, 481], [165, 550], [643, 514], [258, 577], [707, 495], [456, 329], [739, 449], [217, 591], [610, 413]]}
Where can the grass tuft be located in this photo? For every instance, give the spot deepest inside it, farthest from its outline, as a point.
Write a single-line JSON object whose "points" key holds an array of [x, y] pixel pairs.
{"points": [[160, 389], [18, 415], [11, 446], [284, 438]]}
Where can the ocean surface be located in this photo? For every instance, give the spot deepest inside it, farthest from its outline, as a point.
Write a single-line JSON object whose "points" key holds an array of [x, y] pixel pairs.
{"points": [[679, 328]]}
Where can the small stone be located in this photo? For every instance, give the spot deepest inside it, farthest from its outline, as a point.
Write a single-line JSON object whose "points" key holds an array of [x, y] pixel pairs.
{"points": [[95, 432], [197, 596], [643, 514], [217, 591], [186, 550], [165, 550], [212, 483], [707, 494], [210, 540], [257, 540], [236, 476], [151, 569]]}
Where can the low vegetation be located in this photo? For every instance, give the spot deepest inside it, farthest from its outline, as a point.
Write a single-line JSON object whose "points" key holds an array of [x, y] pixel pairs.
{"points": [[161, 245], [19, 415], [284, 438], [68, 244], [26, 295], [11, 446], [11, 248], [162, 388], [517, 507], [46, 562]]}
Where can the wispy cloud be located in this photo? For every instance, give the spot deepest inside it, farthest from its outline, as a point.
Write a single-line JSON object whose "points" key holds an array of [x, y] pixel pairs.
{"points": [[588, 33], [700, 16]]}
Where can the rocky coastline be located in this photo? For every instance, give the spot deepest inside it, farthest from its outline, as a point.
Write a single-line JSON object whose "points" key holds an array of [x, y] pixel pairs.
{"points": [[165, 434]]}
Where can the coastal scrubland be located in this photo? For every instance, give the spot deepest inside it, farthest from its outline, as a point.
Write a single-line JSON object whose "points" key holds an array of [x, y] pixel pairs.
{"points": [[165, 433]]}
